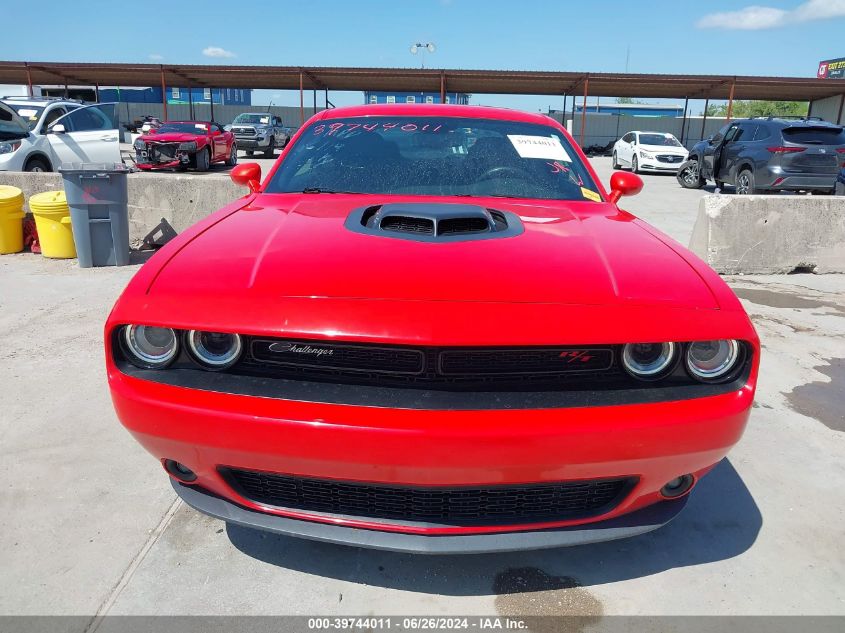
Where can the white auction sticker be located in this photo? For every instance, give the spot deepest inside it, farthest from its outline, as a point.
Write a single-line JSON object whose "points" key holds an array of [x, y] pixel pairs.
{"points": [[546, 147]]}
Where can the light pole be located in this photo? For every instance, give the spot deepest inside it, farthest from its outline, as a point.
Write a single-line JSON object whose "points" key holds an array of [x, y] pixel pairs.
{"points": [[422, 48]]}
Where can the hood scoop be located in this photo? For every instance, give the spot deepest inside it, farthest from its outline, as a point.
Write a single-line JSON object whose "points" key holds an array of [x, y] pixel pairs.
{"points": [[429, 222]]}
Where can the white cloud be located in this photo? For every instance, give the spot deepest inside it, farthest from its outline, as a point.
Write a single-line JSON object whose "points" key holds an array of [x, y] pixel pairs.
{"points": [[156, 57], [216, 51], [753, 18]]}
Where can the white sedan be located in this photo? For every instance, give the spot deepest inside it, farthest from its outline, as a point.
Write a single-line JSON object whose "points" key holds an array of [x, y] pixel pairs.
{"points": [[649, 151]]}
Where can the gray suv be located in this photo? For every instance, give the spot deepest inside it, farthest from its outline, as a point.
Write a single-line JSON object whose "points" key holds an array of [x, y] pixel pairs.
{"points": [[768, 154], [259, 131]]}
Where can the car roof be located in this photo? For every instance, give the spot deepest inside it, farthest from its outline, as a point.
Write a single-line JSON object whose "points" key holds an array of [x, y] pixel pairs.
{"points": [[33, 101], [435, 109], [793, 122]]}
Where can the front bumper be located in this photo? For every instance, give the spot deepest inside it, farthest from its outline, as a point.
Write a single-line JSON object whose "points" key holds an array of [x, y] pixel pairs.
{"points": [[252, 142], [207, 430], [634, 524]]}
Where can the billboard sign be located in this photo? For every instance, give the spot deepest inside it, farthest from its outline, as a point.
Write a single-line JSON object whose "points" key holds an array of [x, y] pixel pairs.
{"points": [[832, 69]]}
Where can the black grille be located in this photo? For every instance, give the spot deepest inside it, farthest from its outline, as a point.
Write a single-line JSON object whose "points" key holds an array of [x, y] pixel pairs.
{"points": [[450, 368], [352, 357], [489, 505], [670, 158], [407, 224], [457, 226]]}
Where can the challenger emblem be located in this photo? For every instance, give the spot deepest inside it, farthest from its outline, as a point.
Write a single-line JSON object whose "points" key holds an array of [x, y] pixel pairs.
{"points": [[300, 349]]}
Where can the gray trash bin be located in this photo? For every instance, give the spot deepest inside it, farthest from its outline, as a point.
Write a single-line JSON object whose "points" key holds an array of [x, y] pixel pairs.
{"points": [[96, 195]]}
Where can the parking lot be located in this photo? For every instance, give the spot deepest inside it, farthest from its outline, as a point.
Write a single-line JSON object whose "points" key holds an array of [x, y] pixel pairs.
{"points": [[90, 525]]}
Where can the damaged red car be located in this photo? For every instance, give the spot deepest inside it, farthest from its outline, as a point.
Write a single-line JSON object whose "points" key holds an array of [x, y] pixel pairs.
{"points": [[186, 144], [430, 328]]}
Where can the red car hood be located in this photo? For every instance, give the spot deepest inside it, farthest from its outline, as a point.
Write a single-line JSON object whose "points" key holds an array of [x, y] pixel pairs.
{"points": [[172, 137], [297, 246]]}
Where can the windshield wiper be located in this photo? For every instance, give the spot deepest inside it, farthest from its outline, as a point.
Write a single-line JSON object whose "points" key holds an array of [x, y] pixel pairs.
{"points": [[322, 190]]}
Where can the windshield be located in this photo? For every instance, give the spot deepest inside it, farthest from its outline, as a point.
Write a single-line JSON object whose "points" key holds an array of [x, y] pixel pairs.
{"points": [[28, 113], [435, 156], [200, 129], [11, 127], [666, 140], [253, 119]]}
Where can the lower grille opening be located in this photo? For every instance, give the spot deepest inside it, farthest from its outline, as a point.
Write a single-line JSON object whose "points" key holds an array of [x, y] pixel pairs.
{"points": [[454, 506]]}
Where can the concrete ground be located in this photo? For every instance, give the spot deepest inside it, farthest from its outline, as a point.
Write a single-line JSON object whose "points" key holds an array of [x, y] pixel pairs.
{"points": [[89, 524]]}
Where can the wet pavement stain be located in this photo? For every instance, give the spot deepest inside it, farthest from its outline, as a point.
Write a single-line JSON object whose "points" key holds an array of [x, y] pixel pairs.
{"points": [[824, 401], [774, 299], [529, 591]]}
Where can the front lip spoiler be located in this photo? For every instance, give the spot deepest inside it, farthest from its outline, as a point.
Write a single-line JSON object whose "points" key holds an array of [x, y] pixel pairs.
{"points": [[633, 524]]}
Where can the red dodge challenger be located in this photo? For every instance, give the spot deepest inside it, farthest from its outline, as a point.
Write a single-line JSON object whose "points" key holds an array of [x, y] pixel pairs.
{"points": [[183, 144], [431, 329]]}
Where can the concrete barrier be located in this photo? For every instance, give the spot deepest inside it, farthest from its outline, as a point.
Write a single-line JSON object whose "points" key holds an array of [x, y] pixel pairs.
{"points": [[771, 234], [181, 199]]}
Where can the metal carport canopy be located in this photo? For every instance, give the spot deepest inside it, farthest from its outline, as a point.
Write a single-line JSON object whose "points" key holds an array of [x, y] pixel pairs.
{"points": [[417, 79]]}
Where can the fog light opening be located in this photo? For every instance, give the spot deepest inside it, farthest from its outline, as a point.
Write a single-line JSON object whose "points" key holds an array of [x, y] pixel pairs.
{"points": [[677, 487], [179, 471]]}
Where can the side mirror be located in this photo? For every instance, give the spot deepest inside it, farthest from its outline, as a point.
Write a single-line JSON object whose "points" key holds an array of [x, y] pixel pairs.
{"points": [[247, 175], [56, 128], [633, 141], [623, 183]]}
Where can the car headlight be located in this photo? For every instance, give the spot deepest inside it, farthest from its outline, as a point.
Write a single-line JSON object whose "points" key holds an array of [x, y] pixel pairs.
{"points": [[149, 347], [8, 148], [712, 360], [139, 144], [647, 155], [214, 350], [188, 146], [648, 361]]}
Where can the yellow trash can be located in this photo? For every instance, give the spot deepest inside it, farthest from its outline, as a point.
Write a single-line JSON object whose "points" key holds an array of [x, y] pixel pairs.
{"points": [[52, 219], [11, 220]]}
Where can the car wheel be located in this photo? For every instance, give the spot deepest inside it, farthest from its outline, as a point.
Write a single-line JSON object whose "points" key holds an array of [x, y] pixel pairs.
{"points": [[635, 165], [689, 176], [271, 148], [203, 160], [614, 163], [285, 144], [745, 183], [233, 156], [720, 184], [36, 163]]}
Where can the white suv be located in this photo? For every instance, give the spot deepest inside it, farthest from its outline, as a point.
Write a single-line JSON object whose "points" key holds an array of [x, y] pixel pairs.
{"points": [[56, 131]]}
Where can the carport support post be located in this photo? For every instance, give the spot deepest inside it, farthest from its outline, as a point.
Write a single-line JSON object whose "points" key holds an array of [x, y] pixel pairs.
{"points": [[163, 93], [211, 93], [29, 79], [839, 115], [191, 101], [442, 87], [301, 99], [684, 121], [97, 92], [704, 118], [584, 112], [731, 100]]}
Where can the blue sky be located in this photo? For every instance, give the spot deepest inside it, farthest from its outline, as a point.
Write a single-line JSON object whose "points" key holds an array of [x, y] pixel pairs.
{"points": [[781, 37]]}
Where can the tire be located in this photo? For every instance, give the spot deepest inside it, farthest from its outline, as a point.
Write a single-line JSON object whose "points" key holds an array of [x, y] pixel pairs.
{"points": [[614, 164], [203, 160], [233, 156], [37, 163], [745, 183], [271, 148], [688, 175], [285, 144], [635, 165], [720, 184]]}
